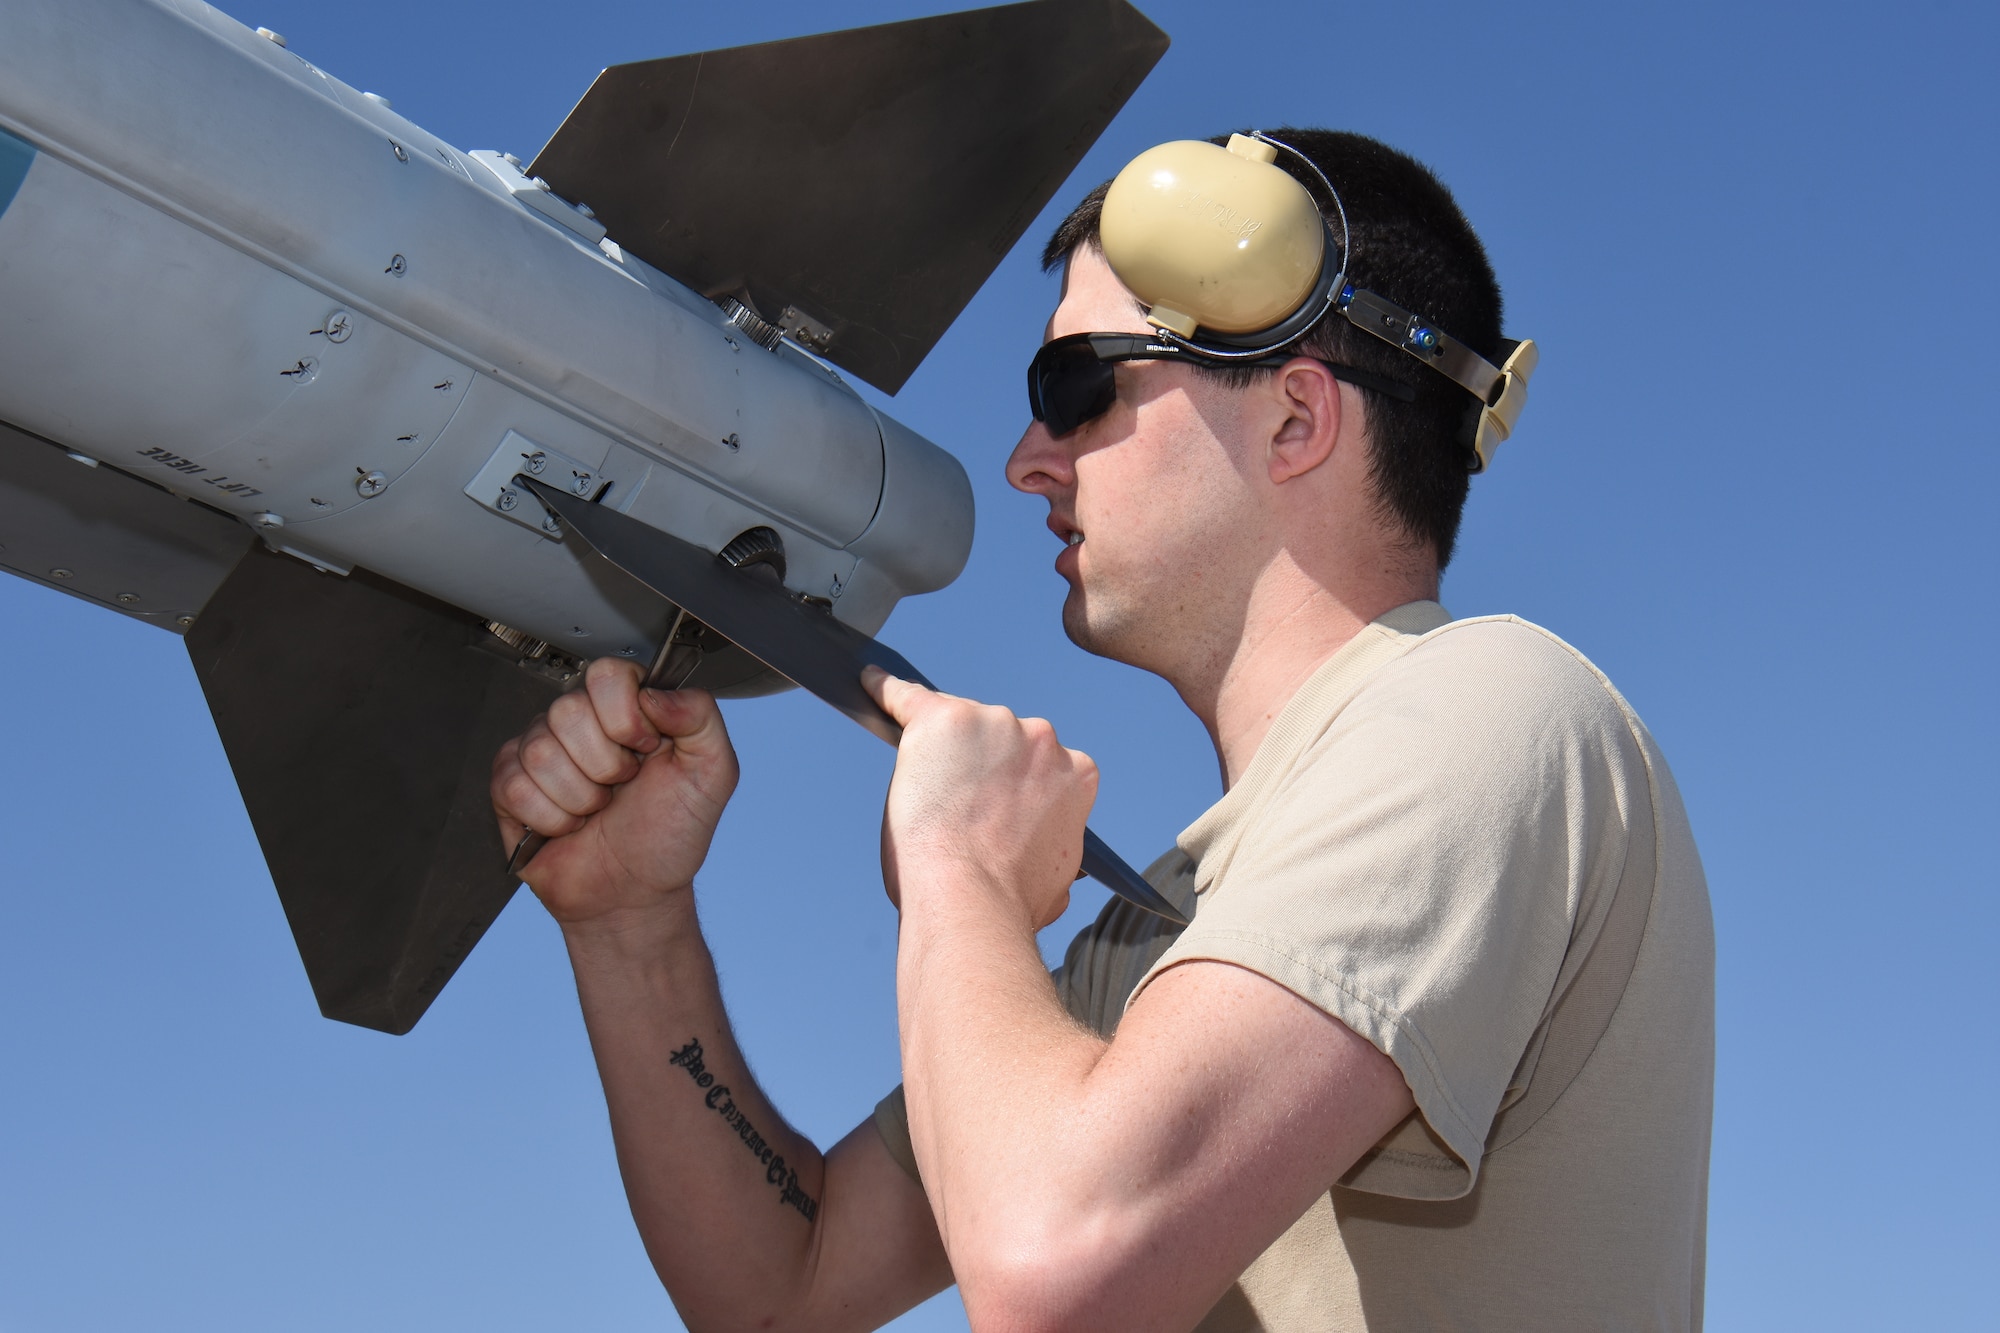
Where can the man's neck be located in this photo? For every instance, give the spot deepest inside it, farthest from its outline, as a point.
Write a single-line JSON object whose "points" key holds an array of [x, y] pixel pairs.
{"points": [[1292, 626]]}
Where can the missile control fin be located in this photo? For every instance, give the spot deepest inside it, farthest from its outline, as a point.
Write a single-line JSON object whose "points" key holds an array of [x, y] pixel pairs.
{"points": [[854, 188], [361, 720]]}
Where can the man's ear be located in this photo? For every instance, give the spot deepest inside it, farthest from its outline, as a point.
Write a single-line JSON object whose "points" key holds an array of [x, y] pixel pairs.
{"points": [[1308, 400]]}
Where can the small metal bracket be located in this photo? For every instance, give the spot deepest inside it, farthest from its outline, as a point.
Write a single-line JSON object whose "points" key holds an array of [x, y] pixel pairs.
{"points": [[493, 486], [535, 195]]}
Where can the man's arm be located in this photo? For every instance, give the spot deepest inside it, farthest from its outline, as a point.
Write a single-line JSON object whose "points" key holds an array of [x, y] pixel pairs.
{"points": [[1079, 1183], [745, 1221]]}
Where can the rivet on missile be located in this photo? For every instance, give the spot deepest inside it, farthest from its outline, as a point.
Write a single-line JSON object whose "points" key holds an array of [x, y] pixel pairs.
{"points": [[370, 484], [339, 327], [268, 520], [60, 573], [507, 501], [398, 266], [128, 597]]}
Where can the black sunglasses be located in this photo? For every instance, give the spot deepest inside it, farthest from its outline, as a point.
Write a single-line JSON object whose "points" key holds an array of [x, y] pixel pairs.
{"points": [[1071, 380]]}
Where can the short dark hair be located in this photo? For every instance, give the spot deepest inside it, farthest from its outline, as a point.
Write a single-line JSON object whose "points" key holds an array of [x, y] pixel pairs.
{"points": [[1411, 244]]}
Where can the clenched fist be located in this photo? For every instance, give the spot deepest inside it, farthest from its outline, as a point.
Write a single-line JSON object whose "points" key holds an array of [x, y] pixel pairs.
{"points": [[983, 801], [627, 783]]}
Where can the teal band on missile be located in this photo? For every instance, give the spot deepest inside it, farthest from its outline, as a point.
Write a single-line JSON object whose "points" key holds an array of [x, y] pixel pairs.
{"points": [[16, 156]]}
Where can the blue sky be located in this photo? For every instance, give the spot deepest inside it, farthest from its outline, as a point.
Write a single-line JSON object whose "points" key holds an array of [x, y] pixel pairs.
{"points": [[1755, 245]]}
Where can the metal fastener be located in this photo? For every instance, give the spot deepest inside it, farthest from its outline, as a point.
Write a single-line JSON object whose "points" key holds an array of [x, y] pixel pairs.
{"points": [[398, 266], [184, 621], [731, 443], [402, 153], [579, 482], [507, 501], [339, 327], [128, 597], [535, 462], [553, 526], [370, 484], [268, 520], [275, 38], [61, 573]]}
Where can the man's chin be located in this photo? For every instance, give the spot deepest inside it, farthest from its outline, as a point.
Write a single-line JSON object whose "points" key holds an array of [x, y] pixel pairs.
{"points": [[1089, 631]]}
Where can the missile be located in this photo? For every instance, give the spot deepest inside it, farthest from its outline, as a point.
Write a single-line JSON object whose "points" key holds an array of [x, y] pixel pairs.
{"points": [[276, 365]]}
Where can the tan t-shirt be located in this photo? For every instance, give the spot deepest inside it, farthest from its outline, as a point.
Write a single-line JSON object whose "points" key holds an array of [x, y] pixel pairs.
{"points": [[1426, 846]]}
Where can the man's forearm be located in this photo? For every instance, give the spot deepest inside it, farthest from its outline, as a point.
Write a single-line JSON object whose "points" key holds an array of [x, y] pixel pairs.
{"points": [[996, 1074], [726, 1196]]}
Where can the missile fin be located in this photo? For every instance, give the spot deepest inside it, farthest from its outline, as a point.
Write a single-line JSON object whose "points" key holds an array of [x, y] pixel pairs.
{"points": [[361, 719], [108, 537], [855, 188]]}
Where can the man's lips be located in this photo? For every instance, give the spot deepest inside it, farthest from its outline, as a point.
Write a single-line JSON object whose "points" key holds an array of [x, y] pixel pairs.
{"points": [[1069, 559]]}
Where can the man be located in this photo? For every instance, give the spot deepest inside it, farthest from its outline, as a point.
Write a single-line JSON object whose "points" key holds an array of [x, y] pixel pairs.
{"points": [[1436, 1049]]}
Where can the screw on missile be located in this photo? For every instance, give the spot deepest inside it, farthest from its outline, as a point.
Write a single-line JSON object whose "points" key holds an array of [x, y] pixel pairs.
{"points": [[534, 463], [339, 327], [731, 443], [128, 598], [398, 266], [370, 484], [402, 154], [579, 482], [61, 573], [508, 499], [302, 371], [268, 520], [184, 621], [553, 526]]}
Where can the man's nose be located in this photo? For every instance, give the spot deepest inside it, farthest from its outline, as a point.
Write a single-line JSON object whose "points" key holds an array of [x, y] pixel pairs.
{"points": [[1039, 464]]}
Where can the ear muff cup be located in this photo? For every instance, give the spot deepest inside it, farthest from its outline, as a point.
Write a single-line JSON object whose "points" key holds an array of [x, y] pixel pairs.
{"points": [[1211, 239]]}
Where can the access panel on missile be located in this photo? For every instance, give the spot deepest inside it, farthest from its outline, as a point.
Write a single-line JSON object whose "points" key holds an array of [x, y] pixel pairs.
{"points": [[306, 459]]}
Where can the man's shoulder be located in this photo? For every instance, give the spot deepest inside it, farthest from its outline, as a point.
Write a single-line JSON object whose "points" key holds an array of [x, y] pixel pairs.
{"points": [[1500, 669]]}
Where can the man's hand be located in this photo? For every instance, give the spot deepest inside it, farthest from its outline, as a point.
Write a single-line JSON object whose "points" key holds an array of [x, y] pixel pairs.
{"points": [[627, 783], [981, 799]]}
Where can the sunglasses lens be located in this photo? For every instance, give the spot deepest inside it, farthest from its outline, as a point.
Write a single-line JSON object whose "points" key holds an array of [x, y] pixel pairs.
{"points": [[1068, 386]]}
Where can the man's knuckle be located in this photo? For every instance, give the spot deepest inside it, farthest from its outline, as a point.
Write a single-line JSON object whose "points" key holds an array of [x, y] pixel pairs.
{"points": [[542, 750]]}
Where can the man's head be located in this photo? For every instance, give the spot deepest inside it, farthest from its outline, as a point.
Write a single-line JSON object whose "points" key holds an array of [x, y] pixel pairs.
{"points": [[1210, 509]]}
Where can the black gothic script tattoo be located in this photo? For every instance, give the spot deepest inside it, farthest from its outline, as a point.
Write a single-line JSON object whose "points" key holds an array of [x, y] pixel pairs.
{"points": [[718, 1100]]}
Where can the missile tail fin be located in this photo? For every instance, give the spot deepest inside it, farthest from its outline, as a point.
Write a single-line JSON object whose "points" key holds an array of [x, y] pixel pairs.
{"points": [[854, 188], [361, 718]]}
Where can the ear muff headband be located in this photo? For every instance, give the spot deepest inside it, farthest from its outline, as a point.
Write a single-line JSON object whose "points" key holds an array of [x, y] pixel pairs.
{"points": [[1219, 244]]}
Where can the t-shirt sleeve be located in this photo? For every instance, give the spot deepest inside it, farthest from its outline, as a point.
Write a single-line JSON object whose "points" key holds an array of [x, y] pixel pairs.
{"points": [[1417, 873]]}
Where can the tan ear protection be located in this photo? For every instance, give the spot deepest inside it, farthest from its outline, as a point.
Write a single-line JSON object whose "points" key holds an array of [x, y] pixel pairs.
{"points": [[1234, 261]]}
